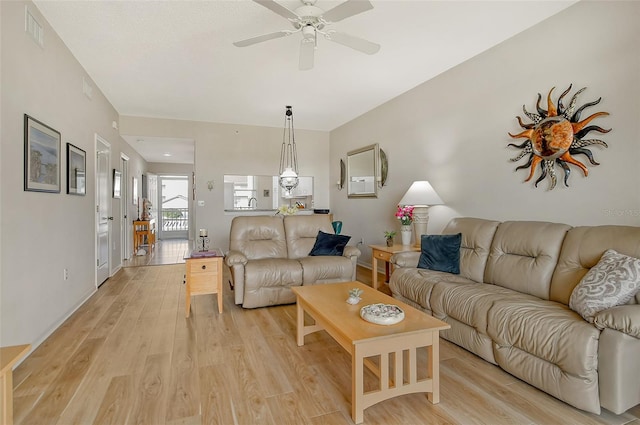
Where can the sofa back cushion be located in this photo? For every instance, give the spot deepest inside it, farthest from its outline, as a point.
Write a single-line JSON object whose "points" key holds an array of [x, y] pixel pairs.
{"points": [[582, 249], [301, 232], [524, 255], [477, 235], [258, 237]]}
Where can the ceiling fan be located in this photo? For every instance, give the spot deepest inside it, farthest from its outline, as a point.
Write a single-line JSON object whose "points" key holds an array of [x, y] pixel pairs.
{"points": [[310, 21]]}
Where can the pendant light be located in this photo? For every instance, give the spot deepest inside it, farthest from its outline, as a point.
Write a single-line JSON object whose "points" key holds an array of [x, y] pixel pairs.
{"points": [[288, 155]]}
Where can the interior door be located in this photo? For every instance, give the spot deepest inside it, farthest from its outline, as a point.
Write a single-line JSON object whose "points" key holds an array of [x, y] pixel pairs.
{"points": [[125, 223], [103, 210]]}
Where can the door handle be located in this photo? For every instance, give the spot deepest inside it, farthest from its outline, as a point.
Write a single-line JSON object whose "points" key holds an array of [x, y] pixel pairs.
{"points": [[110, 218]]}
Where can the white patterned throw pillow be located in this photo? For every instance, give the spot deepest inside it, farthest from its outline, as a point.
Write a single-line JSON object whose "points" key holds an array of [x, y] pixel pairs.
{"points": [[611, 282]]}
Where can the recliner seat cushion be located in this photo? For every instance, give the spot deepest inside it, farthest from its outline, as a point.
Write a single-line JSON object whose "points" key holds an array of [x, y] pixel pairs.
{"points": [[417, 284], [549, 346], [323, 269], [470, 303], [268, 282], [465, 309]]}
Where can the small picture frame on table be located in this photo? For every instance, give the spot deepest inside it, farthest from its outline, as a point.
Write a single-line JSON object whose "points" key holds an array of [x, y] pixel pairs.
{"points": [[41, 157], [117, 183], [76, 170]]}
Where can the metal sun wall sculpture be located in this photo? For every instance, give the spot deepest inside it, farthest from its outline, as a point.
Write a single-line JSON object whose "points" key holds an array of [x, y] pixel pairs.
{"points": [[555, 136]]}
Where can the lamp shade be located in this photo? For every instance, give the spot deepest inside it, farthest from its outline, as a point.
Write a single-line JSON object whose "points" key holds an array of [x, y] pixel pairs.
{"points": [[421, 193]]}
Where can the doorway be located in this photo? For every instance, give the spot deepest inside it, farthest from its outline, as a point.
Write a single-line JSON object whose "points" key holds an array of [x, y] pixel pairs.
{"points": [[173, 207], [126, 230], [103, 210]]}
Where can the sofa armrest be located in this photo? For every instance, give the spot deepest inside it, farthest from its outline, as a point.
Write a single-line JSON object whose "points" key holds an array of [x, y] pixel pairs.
{"points": [[405, 259], [235, 258], [623, 318], [351, 251]]}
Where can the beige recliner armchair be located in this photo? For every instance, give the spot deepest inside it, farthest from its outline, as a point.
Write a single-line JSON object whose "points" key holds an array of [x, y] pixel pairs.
{"points": [[270, 254]]}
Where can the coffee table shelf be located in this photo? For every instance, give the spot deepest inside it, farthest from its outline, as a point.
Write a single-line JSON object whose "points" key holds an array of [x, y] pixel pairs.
{"points": [[398, 343]]}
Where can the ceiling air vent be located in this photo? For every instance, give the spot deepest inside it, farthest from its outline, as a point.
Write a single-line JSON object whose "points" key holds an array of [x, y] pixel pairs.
{"points": [[33, 27]]}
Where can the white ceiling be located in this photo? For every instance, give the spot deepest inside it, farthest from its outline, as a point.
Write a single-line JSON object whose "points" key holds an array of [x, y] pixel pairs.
{"points": [[175, 59], [163, 149]]}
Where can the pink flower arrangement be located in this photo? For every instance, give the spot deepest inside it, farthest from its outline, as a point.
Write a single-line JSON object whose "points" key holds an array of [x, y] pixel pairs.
{"points": [[405, 214]]}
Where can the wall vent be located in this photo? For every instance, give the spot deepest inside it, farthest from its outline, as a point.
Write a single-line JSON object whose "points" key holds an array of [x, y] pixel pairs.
{"points": [[87, 88], [33, 27]]}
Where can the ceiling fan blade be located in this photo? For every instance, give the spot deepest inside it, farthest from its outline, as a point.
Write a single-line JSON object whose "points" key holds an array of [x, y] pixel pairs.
{"points": [[307, 50], [277, 8], [346, 9], [356, 43], [261, 38]]}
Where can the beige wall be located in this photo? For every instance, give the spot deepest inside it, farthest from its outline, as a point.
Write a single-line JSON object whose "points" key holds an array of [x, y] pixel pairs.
{"points": [[43, 233], [236, 149], [452, 130]]}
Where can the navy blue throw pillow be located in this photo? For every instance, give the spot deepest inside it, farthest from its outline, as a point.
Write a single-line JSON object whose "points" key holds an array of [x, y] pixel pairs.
{"points": [[440, 253], [328, 244]]}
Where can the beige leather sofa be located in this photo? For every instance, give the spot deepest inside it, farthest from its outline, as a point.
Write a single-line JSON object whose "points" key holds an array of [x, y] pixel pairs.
{"points": [[270, 254], [509, 305]]}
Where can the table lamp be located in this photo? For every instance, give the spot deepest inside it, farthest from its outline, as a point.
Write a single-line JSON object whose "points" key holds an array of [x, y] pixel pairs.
{"points": [[421, 196]]}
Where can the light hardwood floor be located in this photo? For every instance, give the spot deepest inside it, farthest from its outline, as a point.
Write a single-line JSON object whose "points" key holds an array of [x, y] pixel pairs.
{"points": [[166, 251], [129, 356]]}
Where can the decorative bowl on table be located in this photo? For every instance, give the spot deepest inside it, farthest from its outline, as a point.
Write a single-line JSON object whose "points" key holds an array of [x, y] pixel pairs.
{"points": [[382, 314]]}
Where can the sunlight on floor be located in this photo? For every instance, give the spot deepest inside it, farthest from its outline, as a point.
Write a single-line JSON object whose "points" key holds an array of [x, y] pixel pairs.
{"points": [[168, 251]]}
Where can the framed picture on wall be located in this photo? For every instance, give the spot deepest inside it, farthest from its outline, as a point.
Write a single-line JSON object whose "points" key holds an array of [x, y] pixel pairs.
{"points": [[41, 157], [76, 170], [117, 183]]}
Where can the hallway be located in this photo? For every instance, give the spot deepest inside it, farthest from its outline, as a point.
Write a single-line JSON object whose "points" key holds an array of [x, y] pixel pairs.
{"points": [[168, 251]]}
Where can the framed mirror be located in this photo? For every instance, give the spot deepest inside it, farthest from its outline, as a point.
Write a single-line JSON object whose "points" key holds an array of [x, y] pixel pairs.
{"points": [[363, 172]]}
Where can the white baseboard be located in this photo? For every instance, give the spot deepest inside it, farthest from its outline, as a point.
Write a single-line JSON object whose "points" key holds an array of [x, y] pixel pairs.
{"points": [[56, 325]]}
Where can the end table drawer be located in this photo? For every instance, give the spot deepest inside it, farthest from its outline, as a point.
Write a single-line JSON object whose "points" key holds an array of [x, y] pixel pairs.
{"points": [[204, 266], [381, 255]]}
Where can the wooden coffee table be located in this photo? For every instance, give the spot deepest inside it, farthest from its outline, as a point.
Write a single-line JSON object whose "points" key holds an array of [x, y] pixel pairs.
{"points": [[394, 347]]}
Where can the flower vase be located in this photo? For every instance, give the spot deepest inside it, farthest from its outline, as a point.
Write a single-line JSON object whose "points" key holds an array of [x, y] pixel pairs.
{"points": [[405, 233]]}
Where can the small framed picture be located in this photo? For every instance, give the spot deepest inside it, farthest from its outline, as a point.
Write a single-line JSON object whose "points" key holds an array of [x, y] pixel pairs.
{"points": [[117, 183], [76, 170], [41, 157]]}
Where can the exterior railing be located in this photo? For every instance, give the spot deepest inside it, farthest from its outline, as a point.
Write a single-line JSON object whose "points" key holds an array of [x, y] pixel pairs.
{"points": [[175, 219]]}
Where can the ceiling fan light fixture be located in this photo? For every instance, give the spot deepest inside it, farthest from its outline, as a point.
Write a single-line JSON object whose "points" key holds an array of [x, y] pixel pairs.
{"points": [[309, 32], [310, 20]]}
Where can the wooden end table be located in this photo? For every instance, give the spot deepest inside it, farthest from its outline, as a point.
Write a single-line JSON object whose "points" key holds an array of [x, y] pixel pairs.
{"points": [[395, 346], [204, 275], [384, 253], [9, 356]]}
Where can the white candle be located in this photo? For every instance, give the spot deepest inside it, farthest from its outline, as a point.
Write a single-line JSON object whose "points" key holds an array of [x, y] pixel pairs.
{"points": [[203, 232]]}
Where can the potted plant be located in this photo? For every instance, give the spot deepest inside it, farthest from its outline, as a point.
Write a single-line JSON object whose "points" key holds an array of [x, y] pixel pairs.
{"points": [[388, 236], [354, 295]]}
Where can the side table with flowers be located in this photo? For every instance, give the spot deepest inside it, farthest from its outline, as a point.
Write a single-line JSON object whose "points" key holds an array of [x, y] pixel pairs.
{"points": [[405, 215]]}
